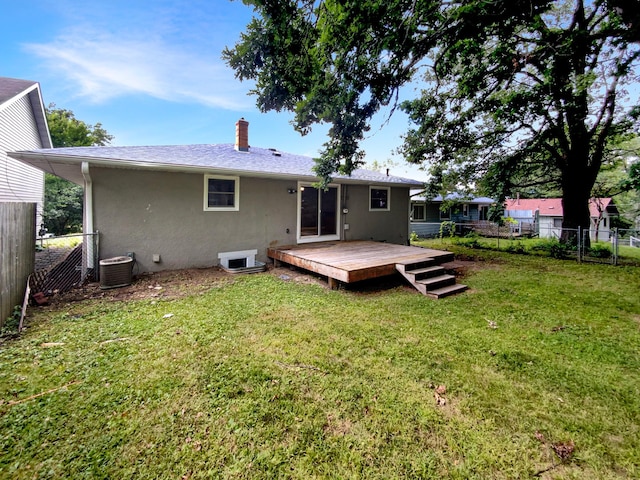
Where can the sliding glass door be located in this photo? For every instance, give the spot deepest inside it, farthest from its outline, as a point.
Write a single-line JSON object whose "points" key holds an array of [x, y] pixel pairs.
{"points": [[318, 213]]}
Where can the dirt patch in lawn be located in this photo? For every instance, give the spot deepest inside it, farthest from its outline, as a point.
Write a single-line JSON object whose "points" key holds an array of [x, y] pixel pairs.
{"points": [[174, 284], [181, 283]]}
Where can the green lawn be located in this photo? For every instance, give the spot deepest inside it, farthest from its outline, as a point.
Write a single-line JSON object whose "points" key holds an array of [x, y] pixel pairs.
{"points": [[260, 377]]}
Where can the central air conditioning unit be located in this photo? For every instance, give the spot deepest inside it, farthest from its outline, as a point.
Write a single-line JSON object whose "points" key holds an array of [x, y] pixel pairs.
{"points": [[116, 272]]}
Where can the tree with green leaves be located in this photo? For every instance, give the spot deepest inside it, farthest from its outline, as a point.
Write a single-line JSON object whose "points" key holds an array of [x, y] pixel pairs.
{"points": [[63, 199], [62, 205], [513, 93], [67, 131]]}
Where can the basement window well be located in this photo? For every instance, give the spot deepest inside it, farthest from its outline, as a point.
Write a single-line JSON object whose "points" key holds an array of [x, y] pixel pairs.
{"points": [[243, 261]]}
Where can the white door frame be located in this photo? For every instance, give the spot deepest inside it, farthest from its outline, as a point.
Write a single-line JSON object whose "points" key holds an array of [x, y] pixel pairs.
{"points": [[317, 238]]}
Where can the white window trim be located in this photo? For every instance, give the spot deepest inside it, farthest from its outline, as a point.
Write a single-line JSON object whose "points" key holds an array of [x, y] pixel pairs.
{"points": [[424, 210], [388, 189], [318, 238], [465, 210], [448, 214], [236, 196]]}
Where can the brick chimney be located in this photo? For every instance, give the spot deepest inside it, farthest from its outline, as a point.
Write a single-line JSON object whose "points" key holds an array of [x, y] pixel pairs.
{"points": [[242, 135]]}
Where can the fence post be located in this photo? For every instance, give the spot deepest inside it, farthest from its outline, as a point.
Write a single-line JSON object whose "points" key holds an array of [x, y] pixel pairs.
{"points": [[615, 245], [579, 245]]}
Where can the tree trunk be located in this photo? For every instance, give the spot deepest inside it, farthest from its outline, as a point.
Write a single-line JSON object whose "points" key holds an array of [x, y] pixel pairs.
{"points": [[575, 208]]}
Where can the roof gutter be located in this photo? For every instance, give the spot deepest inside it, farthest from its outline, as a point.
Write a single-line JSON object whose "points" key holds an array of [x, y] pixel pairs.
{"points": [[25, 156]]}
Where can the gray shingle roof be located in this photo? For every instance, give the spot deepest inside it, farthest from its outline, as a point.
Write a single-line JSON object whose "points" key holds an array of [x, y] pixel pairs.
{"points": [[458, 197], [10, 87], [216, 158]]}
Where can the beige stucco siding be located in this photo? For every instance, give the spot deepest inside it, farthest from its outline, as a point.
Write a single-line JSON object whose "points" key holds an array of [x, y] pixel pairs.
{"points": [[162, 213], [388, 226]]}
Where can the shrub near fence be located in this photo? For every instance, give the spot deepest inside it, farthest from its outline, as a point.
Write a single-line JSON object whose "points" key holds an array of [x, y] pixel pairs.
{"points": [[622, 247], [17, 251]]}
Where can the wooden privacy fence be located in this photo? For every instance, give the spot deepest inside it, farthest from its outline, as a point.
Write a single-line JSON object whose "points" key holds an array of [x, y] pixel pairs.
{"points": [[17, 253]]}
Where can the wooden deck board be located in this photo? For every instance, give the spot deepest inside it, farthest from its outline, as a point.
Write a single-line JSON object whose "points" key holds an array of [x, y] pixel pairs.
{"points": [[353, 261]]}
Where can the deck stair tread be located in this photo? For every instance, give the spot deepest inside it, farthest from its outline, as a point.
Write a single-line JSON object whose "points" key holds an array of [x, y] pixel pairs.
{"points": [[439, 280], [446, 291], [425, 270]]}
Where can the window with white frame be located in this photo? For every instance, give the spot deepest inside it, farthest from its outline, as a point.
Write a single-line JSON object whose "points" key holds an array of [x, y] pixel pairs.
{"points": [[379, 198], [465, 209], [221, 193], [418, 212], [445, 214]]}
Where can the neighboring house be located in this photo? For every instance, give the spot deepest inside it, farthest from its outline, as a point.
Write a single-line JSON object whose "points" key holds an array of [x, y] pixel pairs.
{"points": [[545, 215], [23, 126], [189, 206], [426, 215]]}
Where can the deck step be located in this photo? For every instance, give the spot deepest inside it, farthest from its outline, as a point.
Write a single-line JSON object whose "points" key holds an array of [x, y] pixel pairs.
{"points": [[407, 267], [425, 272], [429, 277], [437, 282], [446, 291]]}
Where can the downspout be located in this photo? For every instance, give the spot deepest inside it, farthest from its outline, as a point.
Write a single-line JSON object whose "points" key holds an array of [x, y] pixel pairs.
{"points": [[87, 224]]}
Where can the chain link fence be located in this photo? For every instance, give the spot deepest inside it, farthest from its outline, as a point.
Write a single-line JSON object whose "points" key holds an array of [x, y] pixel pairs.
{"points": [[63, 263], [609, 246]]}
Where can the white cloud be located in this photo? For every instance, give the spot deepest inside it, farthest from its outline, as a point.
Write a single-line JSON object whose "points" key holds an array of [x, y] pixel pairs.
{"points": [[103, 66]]}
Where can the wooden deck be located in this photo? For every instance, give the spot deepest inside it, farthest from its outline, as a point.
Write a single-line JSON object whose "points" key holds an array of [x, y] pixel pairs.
{"points": [[354, 261]]}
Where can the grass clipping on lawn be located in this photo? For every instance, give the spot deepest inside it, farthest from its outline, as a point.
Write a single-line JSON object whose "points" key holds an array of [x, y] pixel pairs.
{"points": [[534, 372]]}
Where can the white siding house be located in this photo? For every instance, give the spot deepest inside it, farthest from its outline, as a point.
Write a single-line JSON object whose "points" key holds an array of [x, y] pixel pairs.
{"points": [[23, 126], [545, 215]]}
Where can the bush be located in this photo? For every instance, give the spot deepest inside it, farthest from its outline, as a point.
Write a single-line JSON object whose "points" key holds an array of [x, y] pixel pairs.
{"points": [[516, 247], [447, 228], [600, 250], [470, 242], [552, 247]]}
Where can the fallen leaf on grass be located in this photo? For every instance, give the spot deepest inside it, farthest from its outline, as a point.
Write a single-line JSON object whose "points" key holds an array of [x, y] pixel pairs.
{"points": [[564, 450], [114, 340], [52, 344], [440, 400], [540, 437]]}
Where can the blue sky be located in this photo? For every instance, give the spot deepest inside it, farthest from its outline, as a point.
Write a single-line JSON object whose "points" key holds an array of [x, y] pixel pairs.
{"points": [[150, 71]]}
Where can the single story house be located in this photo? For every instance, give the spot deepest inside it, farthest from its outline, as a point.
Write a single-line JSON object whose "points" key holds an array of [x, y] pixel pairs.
{"points": [[23, 126], [427, 215], [544, 216], [197, 205]]}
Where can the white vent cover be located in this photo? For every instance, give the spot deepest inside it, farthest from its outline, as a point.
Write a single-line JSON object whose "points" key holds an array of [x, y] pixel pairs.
{"points": [[248, 258]]}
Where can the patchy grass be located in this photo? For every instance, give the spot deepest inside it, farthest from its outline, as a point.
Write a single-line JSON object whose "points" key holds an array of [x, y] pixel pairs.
{"points": [[536, 370], [66, 241]]}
